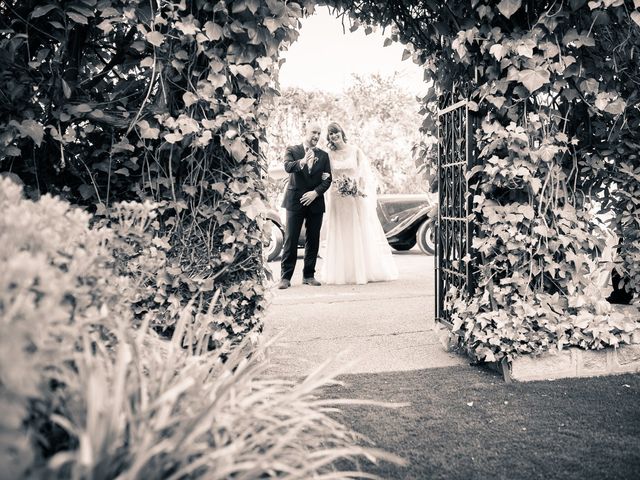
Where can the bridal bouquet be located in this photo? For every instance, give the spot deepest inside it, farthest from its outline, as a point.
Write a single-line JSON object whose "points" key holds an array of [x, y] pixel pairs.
{"points": [[347, 187]]}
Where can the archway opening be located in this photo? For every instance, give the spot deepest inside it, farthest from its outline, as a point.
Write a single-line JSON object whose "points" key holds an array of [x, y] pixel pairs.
{"points": [[368, 83]]}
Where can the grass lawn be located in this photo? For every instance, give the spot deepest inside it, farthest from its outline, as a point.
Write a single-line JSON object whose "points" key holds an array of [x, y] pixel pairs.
{"points": [[466, 423]]}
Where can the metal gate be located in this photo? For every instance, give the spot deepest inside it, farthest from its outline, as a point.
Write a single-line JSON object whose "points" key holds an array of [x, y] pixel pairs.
{"points": [[456, 155]]}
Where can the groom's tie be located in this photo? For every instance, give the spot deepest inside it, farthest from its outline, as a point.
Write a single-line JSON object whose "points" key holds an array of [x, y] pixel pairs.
{"points": [[313, 159]]}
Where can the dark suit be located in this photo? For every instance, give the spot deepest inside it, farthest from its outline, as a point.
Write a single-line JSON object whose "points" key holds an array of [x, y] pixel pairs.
{"points": [[301, 180]]}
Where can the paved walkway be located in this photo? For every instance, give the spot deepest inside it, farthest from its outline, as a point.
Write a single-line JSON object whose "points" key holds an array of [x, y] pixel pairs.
{"points": [[384, 327]]}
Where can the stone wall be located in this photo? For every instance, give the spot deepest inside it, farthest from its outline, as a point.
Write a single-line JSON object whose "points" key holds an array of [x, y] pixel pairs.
{"points": [[576, 362]]}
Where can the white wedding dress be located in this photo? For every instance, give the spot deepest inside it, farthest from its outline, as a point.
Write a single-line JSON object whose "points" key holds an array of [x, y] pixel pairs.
{"points": [[355, 249]]}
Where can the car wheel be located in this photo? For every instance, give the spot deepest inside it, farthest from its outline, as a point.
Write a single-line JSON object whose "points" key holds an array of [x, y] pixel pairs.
{"points": [[273, 249], [408, 245], [426, 238]]}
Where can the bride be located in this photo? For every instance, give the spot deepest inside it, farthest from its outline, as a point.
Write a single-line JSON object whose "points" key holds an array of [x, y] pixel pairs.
{"points": [[355, 249]]}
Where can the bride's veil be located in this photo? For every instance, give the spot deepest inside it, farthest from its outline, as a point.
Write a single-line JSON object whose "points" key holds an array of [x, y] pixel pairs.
{"points": [[368, 178]]}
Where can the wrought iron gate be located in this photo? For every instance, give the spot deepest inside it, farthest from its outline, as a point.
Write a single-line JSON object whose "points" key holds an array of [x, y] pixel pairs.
{"points": [[456, 155]]}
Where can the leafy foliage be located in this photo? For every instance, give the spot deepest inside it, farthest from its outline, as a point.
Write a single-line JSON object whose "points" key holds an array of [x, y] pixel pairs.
{"points": [[130, 100], [555, 87], [86, 395], [136, 100]]}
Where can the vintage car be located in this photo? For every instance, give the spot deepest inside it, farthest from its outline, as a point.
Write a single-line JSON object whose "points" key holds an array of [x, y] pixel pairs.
{"points": [[406, 219]]}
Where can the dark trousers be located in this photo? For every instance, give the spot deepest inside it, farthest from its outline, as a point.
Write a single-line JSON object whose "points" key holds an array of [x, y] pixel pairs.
{"points": [[312, 222]]}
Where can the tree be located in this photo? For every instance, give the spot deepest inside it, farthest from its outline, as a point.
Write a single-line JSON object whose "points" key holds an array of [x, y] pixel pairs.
{"points": [[377, 114]]}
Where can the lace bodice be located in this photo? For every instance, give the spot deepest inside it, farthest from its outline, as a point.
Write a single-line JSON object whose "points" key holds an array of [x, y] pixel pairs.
{"points": [[344, 161]]}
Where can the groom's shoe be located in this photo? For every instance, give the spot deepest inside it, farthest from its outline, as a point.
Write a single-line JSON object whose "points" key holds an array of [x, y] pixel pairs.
{"points": [[311, 281], [284, 283]]}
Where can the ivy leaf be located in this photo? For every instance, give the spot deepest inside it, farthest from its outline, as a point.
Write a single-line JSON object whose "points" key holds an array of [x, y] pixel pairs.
{"points": [[237, 187], [109, 12], [105, 26], [155, 38], [550, 49], [189, 98], [76, 17], [579, 40], [485, 11], [217, 80], [528, 211], [264, 62], [534, 79], [32, 129], [147, 62], [616, 107], [228, 237], [227, 257], [406, 54], [525, 48], [65, 89], [83, 11], [213, 31], [253, 5], [146, 131], [245, 70], [173, 137], [509, 7], [43, 10], [498, 101], [218, 187], [589, 85], [548, 152], [252, 207], [245, 103], [497, 50], [81, 108], [188, 28], [190, 190], [238, 149], [272, 24], [86, 191], [238, 6]]}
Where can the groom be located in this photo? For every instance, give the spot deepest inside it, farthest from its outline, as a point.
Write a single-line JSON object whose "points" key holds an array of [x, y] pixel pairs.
{"points": [[309, 177]]}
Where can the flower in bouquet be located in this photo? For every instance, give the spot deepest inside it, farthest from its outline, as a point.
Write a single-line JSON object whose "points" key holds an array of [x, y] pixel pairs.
{"points": [[347, 187]]}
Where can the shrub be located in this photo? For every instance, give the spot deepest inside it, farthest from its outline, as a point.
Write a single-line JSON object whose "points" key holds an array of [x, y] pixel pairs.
{"points": [[54, 282], [85, 395]]}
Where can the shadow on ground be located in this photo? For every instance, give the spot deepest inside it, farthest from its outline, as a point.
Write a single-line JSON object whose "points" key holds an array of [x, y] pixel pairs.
{"points": [[466, 423]]}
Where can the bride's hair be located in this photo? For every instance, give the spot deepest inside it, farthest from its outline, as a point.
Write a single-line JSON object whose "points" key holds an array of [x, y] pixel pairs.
{"points": [[333, 127]]}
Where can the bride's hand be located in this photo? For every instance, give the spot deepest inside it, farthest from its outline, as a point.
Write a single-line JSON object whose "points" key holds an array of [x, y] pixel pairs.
{"points": [[325, 175]]}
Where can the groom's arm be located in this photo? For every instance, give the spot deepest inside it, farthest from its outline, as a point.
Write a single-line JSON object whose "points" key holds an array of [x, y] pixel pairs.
{"points": [[291, 164], [310, 196], [326, 182]]}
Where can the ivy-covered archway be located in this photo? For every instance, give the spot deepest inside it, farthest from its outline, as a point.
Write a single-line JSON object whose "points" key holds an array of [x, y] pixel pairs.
{"points": [[130, 100]]}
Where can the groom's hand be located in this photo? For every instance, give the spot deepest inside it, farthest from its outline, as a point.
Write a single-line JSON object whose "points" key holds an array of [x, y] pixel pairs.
{"points": [[308, 197], [308, 156]]}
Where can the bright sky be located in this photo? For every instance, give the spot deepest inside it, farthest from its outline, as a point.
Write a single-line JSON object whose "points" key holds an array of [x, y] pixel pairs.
{"points": [[324, 58]]}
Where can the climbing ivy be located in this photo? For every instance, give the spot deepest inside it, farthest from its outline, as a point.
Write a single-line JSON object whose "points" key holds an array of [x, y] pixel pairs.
{"points": [[554, 87], [114, 100], [106, 100]]}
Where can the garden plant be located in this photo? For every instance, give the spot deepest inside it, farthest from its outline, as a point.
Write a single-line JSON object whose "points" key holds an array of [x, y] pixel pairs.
{"points": [[150, 116]]}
